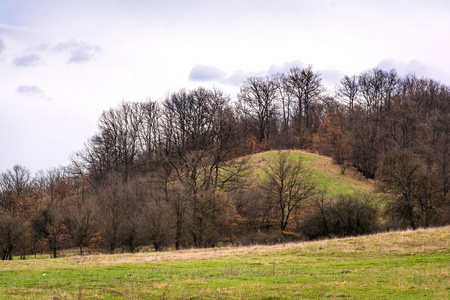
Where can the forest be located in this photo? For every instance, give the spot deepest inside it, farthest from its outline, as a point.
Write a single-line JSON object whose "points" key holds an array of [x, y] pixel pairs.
{"points": [[174, 173]]}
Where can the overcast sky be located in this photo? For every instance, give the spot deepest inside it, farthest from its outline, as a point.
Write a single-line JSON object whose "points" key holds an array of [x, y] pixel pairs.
{"points": [[63, 62]]}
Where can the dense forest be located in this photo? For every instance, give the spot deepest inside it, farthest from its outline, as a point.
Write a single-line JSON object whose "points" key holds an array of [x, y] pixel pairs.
{"points": [[173, 173]]}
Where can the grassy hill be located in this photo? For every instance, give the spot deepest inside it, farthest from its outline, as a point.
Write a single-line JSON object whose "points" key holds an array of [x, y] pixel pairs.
{"points": [[396, 265], [328, 175]]}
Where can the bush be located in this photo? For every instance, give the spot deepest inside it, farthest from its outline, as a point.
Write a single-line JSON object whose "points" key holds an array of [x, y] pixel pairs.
{"points": [[341, 216]]}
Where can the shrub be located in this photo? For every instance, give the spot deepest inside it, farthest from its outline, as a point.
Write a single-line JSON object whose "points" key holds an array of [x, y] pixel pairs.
{"points": [[341, 216]]}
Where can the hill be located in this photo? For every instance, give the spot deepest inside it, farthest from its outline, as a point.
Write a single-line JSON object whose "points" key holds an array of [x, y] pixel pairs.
{"points": [[329, 176], [408, 264]]}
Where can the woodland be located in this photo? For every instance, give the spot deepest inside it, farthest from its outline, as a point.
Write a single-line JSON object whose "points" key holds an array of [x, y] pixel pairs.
{"points": [[174, 173]]}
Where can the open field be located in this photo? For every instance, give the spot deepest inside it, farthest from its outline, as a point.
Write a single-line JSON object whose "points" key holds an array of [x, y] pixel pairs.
{"points": [[396, 265]]}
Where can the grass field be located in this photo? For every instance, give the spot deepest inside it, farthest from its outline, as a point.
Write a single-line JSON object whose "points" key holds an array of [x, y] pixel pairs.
{"points": [[396, 265], [328, 175]]}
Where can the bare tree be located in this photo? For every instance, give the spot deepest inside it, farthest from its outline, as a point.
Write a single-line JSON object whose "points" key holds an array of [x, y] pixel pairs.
{"points": [[156, 224], [149, 131], [80, 211], [13, 234], [287, 184], [306, 86], [13, 186], [348, 91], [115, 148], [411, 188], [257, 99], [378, 88]]}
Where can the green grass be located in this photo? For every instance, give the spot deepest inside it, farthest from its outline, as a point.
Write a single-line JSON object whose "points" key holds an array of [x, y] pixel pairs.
{"points": [[328, 175], [397, 265]]}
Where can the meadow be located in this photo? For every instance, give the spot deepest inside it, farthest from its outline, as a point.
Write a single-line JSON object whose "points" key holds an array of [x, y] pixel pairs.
{"points": [[395, 265], [327, 175]]}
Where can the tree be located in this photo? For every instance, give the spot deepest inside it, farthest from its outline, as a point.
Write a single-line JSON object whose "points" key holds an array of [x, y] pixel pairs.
{"points": [[13, 187], [306, 86], [378, 88], [406, 180], [287, 184], [80, 212], [257, 99], [157, 216], [149, 131], [348, 91], [13, 234], [116, 147], [286, 115], [341, 216], [49, 226], [179, 203], [117, 205], [332, 139]]}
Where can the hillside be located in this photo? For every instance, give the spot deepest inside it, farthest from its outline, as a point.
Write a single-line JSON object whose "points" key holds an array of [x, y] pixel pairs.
{"points": [[328, 175], [396, 265]]}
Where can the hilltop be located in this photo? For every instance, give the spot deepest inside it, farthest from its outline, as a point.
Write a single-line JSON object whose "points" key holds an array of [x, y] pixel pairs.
{"points": [[326, 173]]}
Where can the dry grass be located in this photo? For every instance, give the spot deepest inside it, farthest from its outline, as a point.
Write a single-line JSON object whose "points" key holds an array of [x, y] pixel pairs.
{"points": [[400, 242]]}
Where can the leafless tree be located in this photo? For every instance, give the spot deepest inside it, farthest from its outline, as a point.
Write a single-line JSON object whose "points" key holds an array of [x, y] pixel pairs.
{"points": [[306, 86], [119, 210], [157, 223], [348, 91], [13, 187], [149, 131], [405, 179], [81, 214], [287, 184], [115, 148], [257, 99], [13, 234]]}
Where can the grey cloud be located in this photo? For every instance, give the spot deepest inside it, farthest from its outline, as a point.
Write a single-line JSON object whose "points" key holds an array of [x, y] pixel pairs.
{"points": [[2, 46], [238, 77], [417, 68], [206, 73], [83, 53], [78, 52], [66, 46], [411, 67], [37, 48], [79, 55], [31, 90], [210, 73], [284, 68], [27, 60]]}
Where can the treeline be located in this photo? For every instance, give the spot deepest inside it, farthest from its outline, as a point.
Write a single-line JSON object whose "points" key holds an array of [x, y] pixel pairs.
{"points": [[173, 173]]}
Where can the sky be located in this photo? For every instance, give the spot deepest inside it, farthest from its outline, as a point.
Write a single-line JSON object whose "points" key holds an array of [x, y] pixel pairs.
{"points": [[62, 63]]}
